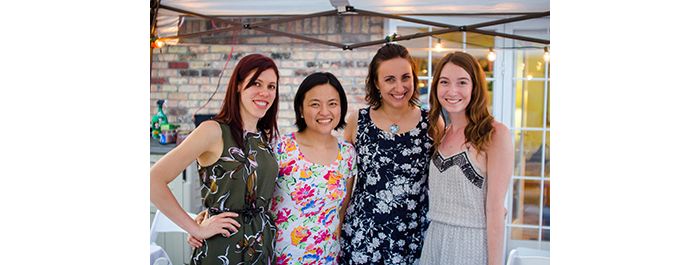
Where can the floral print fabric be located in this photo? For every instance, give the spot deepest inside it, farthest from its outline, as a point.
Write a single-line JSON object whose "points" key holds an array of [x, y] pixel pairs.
{"points": [[306, 203], [386, 219], [241, 180]]}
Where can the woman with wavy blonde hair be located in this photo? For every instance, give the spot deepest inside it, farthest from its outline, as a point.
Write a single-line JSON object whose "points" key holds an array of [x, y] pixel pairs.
{"points": [[470, 169]]}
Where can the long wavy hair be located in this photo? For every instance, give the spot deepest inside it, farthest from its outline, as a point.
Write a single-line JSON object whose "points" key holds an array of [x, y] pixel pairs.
{"points": [[479, 128], [385, 53], [231, 108]]}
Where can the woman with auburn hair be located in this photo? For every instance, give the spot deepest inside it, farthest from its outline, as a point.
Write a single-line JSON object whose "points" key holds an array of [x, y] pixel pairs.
{"points": [[237, 169], [386, 219], [471, 169]]}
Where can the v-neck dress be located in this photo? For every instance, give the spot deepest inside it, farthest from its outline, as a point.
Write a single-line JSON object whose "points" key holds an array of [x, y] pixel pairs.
{"points": [[457, 232]]}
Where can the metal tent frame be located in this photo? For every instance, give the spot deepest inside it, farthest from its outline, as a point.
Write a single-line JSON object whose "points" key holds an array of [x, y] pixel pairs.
{"points": [[345, 11]]}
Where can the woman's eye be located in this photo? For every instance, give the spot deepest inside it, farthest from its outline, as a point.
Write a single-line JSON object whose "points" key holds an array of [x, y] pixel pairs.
{"points": [[443, 82], [463, 83], [314, 105], [333, 104], [406, 78], [272, 87]]}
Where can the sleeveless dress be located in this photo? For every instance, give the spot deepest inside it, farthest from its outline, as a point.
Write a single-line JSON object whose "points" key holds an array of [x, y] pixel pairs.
{"points": [[457, 232], [386, 219], [306, 203], [241, 181]]}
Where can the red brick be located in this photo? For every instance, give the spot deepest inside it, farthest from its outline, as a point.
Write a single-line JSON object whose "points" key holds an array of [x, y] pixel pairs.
{"points": [[178, 65], [158, 80]]}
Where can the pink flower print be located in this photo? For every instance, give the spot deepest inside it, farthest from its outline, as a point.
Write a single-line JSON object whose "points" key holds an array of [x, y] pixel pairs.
{"points": [[322, 236], [287, 168], [284, 259], [282, 216], [301, 194]]}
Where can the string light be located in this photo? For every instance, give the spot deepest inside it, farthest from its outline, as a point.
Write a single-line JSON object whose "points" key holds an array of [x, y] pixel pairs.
{"points": [[157, 43], [546, 54], [438, 46], [492, 55]]}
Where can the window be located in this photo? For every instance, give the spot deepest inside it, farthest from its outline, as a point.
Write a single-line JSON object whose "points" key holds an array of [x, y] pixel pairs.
{"points": [[528, 223]]}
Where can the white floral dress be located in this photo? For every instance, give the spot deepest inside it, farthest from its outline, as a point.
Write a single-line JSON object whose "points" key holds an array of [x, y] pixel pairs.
{"points": [[306, 203]]}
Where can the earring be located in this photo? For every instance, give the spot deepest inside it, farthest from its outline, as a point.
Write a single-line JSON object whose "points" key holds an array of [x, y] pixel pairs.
{"points": [[302, 116]]}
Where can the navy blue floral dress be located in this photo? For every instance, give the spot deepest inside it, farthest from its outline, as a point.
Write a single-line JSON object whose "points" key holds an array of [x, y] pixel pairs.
{"points": [[386, 219]]}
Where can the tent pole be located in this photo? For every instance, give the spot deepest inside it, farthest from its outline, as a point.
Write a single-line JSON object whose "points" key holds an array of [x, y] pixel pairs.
{"points": [[155, 4]]}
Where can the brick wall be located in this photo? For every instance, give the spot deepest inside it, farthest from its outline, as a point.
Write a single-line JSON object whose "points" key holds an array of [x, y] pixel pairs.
{"points": [[186, 74]]}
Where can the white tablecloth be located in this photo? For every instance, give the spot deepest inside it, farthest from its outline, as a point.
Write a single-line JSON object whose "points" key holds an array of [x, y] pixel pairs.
{"points": [[158, 252]]}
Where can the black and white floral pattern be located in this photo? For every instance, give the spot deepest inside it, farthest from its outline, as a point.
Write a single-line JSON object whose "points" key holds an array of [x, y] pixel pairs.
{"points": [[386, 220]]}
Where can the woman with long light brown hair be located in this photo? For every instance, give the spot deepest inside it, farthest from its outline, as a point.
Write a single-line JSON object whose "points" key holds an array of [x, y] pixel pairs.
{"points": [[470, 169]]}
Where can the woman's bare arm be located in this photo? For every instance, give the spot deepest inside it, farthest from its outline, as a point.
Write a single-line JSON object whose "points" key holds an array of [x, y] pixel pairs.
{"points": [[500, 169]]}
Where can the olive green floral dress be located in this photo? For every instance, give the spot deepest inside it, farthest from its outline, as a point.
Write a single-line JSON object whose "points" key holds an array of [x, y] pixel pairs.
{"points": [[241, 181]]}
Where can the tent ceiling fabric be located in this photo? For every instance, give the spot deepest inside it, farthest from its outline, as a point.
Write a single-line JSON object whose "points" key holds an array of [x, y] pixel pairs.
{"points": [[297, 7], [167, 20]]}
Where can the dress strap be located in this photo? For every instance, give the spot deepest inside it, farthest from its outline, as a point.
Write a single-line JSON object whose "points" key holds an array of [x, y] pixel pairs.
{"points": [[363, 119]]}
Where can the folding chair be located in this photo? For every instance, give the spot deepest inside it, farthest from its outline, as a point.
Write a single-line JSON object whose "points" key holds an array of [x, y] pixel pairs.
{"points": [[162, 224], [528, 256]]}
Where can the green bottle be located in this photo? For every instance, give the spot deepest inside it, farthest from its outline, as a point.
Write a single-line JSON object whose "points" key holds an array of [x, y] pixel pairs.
{"points": [[158, 119]]}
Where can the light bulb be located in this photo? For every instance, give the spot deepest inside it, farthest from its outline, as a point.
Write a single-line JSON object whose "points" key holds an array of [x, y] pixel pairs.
{"points": [[546, 54], [158, 43], [492, 55], [438, 46]]}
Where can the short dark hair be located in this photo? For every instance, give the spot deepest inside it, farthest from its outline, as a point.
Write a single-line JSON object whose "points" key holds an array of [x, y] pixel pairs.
{"points": [[385, 53], [312, 81]]}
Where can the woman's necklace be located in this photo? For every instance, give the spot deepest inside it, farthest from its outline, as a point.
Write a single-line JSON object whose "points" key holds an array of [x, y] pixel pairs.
{"points": [[394, 127]]}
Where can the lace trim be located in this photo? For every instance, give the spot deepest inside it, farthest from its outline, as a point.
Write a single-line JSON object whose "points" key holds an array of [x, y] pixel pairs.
{"points": [[462, 161]]}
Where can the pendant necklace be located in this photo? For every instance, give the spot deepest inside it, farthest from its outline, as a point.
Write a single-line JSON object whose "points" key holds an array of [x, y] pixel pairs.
{"points": [[394, 127]]}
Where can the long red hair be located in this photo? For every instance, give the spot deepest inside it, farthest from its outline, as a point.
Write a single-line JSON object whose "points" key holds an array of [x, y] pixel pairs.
{"points": [[230, 109]]}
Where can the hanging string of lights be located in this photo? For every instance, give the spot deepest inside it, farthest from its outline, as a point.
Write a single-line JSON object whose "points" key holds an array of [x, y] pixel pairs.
{"points": [[439, 47]]}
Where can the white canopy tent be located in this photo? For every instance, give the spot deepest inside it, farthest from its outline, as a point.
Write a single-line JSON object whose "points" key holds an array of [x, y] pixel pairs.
{"points": [[297, 7], [169, 12]]}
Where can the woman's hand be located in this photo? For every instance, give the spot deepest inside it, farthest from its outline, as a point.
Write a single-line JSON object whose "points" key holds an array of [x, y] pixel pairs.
{"points": [[192, 241], [223, 224]]}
